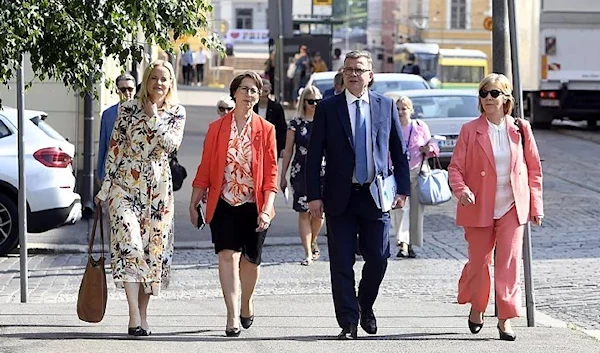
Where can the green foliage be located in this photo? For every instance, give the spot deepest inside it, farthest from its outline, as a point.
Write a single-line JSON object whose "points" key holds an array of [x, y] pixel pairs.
{"points": [[68, 40]]}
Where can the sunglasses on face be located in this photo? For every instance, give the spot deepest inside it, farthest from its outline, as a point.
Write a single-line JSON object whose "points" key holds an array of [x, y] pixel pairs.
{"points": [[312, 101], [495, 93], [225, 109], [126, 89]]}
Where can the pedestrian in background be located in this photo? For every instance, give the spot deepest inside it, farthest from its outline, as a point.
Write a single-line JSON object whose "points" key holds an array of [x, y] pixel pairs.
{"points": [[139, 192], [359, 134], [298, 137], [126, 89], [200, 57], [187, 62], [496, 174], [338, 86], [238, 177], [418, 146], [301, 73], [224, 106], [273, 112]]}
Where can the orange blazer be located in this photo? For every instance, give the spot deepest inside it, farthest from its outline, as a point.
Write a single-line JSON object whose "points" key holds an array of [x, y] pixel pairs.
{"points": [[473, 168], [211, 170]]}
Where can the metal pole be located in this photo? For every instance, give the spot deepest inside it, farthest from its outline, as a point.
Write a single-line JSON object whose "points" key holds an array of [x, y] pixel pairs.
{"points": [[87, 193], [518, 112], [348, 4], [22, 214], [500, 60], [279, 68]]}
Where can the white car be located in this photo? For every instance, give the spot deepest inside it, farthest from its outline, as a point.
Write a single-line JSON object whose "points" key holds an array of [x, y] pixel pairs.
{"points": [[444, 111], [382, 82], [49, 179]]}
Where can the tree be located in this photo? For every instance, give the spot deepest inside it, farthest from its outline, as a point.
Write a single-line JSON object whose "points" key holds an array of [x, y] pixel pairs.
{"points": [[68, 40]]}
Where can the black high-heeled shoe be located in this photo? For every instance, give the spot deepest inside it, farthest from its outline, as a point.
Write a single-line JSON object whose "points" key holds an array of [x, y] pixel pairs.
{"points": [[475, 328], [232, 332], [506, 336], [246, 321]]}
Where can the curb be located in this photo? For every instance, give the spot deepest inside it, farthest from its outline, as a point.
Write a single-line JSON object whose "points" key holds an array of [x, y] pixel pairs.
{"points": [[48, 248], [547, 320]]}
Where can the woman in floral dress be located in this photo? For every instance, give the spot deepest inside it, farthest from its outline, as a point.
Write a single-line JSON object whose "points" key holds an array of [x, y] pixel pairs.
{"points": [[139, 190], [298, 135]]}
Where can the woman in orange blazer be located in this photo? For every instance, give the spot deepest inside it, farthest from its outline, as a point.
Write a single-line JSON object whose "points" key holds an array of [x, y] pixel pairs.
{"points": [[499, 186], [238, 178]]}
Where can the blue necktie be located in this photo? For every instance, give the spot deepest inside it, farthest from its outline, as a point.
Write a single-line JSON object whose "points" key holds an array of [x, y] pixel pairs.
{"points": [[360, 144]]}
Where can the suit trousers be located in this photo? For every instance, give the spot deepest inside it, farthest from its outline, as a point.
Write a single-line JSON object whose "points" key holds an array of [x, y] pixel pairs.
{"points": [[408, 221], [474, 284], [361, 217]]}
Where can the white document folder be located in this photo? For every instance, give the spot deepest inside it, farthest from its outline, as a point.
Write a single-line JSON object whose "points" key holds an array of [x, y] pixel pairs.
{"points": [[383, 190]]}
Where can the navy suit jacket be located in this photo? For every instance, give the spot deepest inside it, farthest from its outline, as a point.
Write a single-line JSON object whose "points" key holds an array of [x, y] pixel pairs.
{"points": [[107, 122], [331, 137]]}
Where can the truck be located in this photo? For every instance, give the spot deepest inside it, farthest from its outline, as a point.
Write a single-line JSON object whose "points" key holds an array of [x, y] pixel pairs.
{"points": [[559, 57]]}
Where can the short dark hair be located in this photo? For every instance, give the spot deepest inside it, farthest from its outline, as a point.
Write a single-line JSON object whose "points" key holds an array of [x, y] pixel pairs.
{"points": [[338, 79], [124, 77], [235, 83]]}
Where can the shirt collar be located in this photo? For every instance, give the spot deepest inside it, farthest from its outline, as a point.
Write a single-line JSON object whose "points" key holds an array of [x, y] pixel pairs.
{"points": [[499, 127], [350, 98]]}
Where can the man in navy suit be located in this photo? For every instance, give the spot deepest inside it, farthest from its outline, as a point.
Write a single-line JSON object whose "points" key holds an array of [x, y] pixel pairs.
{"points": [[126, 89], [358, 133]]}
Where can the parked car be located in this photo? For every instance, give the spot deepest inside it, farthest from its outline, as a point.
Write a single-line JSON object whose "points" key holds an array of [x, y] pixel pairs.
{"points": [[444, 111], [382, 82], [51, 200]]}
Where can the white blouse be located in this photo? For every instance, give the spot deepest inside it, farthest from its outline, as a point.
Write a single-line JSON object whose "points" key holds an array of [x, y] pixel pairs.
{"points": [[501, 146]]}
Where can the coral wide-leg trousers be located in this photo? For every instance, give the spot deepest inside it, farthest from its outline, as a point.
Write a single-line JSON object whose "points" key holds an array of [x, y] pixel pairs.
{"points": [[474, 284]]}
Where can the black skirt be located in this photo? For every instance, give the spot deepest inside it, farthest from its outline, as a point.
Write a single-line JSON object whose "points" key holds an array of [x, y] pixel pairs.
{"points": [[234, 228]]}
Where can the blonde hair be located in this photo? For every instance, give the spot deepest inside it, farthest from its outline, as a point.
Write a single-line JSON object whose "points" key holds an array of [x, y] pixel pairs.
{"points": [[505, 86], [308, 90], [407, 102], [171, 98]]}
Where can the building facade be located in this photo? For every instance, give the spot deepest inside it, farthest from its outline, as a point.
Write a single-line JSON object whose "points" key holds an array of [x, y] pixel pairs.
{"points": [[449, 23], [241, 21]]}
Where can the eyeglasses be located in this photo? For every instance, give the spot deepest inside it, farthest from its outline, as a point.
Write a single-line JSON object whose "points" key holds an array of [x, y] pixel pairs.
{"points": [[354, 70], [495, 93], [225, 109], [312, 101], [128, 89], [249, 90]]}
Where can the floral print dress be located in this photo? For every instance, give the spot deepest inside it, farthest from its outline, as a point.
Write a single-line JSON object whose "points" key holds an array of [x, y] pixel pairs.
{"points": [[302, 129], [138, 189]]}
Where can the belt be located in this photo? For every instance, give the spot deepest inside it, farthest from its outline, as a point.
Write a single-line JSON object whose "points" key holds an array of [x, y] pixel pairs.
{"points": [[357, 186]]}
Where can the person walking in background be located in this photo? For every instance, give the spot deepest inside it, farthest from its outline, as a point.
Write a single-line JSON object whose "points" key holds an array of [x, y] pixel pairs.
{"points": [[126, 89], [238, 177], [358, 133], [187, 62], [224, 106], [200, 58], [302, 71], [297, 146], [317, 64], [496, 174], [411, 66], [138, 190], [338, 86], [273, 112], [418, 146]]}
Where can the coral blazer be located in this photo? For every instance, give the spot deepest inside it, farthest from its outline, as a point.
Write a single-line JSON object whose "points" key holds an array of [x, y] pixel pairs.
{"points": [[211, 171], [473, 168]]}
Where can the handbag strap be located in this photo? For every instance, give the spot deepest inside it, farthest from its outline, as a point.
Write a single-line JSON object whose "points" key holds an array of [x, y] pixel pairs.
{"points": [[97, 217], [436, 161]]}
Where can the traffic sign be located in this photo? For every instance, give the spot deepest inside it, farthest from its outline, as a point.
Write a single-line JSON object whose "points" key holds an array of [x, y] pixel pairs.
{"points": [[488, 23]]}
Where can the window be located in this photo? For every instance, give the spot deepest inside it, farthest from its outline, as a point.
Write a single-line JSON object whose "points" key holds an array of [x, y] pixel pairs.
{"points": [[4, 130], [243, 18], [458, 14], [462, 74]]}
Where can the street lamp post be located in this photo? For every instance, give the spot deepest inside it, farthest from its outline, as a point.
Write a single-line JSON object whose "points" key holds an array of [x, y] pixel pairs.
{"points": [[348, 4]]}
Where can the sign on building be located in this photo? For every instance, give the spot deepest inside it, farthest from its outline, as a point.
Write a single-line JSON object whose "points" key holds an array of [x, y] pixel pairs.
{"points": [[322, 7]]}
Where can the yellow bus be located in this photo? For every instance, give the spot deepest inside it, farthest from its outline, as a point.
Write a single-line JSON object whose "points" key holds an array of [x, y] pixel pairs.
{"points": [[461, 68]]}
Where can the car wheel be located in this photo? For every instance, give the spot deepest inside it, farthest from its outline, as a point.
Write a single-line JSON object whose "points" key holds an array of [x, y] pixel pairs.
{"points": [[9, 231]]}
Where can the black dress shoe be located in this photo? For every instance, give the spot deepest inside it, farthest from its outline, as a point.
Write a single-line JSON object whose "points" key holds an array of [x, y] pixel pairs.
{"points": [[349, 333], [246, 321], [411, 253], [368, 322], [138, 331], [233, 332], [506, 336]]}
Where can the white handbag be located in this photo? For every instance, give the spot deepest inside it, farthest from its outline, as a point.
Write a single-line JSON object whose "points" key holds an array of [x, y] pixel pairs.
{"points": [[433, 185]]}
